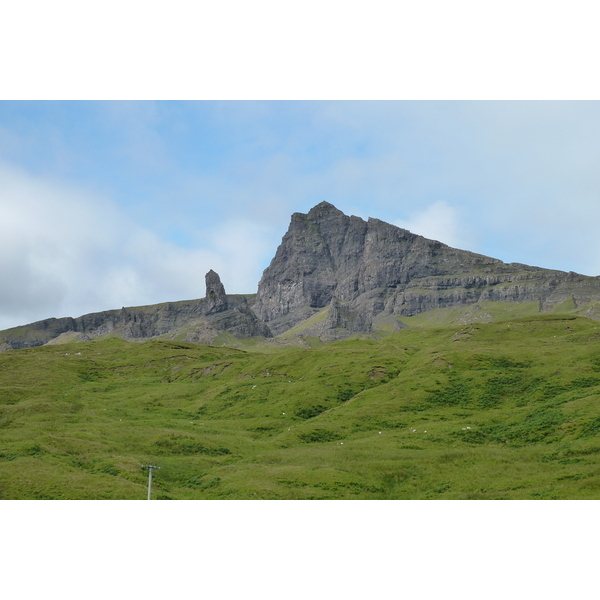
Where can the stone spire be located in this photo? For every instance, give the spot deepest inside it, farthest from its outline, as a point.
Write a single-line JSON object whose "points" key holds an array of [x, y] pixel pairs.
{"points": [[216, 299]]}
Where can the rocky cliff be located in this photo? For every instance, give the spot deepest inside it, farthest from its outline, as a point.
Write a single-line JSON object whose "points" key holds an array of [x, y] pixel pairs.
{"points": [[200, 321], [216, 298], [371, 269], [332, 276]]}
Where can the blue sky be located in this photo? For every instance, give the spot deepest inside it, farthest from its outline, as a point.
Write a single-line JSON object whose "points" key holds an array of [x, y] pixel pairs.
{"points": [[110, 204]]}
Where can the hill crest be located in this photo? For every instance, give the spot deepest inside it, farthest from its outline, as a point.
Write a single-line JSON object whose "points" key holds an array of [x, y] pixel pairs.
{"points": [[334, 276]]}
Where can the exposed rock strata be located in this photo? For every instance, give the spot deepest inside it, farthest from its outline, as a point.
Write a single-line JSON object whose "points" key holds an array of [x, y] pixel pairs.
{"points": [[200, 321], [374, 268], [334, 276]]}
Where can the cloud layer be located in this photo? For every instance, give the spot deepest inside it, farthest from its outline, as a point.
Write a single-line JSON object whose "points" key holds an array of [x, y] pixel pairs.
{"points": [[439, 221], [65, 251]]}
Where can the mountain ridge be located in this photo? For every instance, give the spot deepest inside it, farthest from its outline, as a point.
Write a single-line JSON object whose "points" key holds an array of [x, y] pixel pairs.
{"points": [[374, 268], [332, 276]]}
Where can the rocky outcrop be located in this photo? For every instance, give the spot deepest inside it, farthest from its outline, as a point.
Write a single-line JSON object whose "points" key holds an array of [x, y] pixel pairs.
{"points": [[199, 321], [368, 269], [216, 298], [334, 276]]}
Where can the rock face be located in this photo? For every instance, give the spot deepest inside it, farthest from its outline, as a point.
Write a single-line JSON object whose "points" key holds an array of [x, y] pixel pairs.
{"points": [[369, 269], [216, 299], [200, 321], [361, 277]]}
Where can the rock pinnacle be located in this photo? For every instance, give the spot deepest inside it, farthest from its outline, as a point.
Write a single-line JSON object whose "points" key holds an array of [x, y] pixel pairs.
{"points": [[216, 299]]}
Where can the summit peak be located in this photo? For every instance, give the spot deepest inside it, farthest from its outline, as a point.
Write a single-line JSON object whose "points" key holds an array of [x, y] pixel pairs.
{"points": [[324, 207]]}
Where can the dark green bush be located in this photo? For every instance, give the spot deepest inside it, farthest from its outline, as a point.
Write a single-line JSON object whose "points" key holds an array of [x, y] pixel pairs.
{"points": [[308, 412], [90, 375], [186, 446], [319, 435], [591, 428], [196, 482], [539, 425], [345, 392], [585, 382], [109, 470], [457, 392]]}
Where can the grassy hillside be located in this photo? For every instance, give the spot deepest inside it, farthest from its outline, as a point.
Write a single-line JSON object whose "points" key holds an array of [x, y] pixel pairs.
{"points": [[490, 410]]}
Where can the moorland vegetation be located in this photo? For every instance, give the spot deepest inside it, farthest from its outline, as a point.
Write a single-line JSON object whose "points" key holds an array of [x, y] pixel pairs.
{"points": [[501, 410]]}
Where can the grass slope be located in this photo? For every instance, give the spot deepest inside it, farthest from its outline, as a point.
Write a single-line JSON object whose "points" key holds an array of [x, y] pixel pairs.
{"points": [[502, 410]]}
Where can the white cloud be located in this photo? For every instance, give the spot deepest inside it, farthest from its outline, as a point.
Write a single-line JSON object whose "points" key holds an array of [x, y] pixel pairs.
{"points": [[65, 251], [439, 221], [242, 246]]}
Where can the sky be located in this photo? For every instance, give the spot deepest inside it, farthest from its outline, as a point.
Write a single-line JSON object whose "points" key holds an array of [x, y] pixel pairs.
{"points": [[107, 204]]}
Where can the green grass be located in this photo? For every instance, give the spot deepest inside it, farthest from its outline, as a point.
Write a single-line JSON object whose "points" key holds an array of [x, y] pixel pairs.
{"points": [[501, 410], [318, 317]]}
